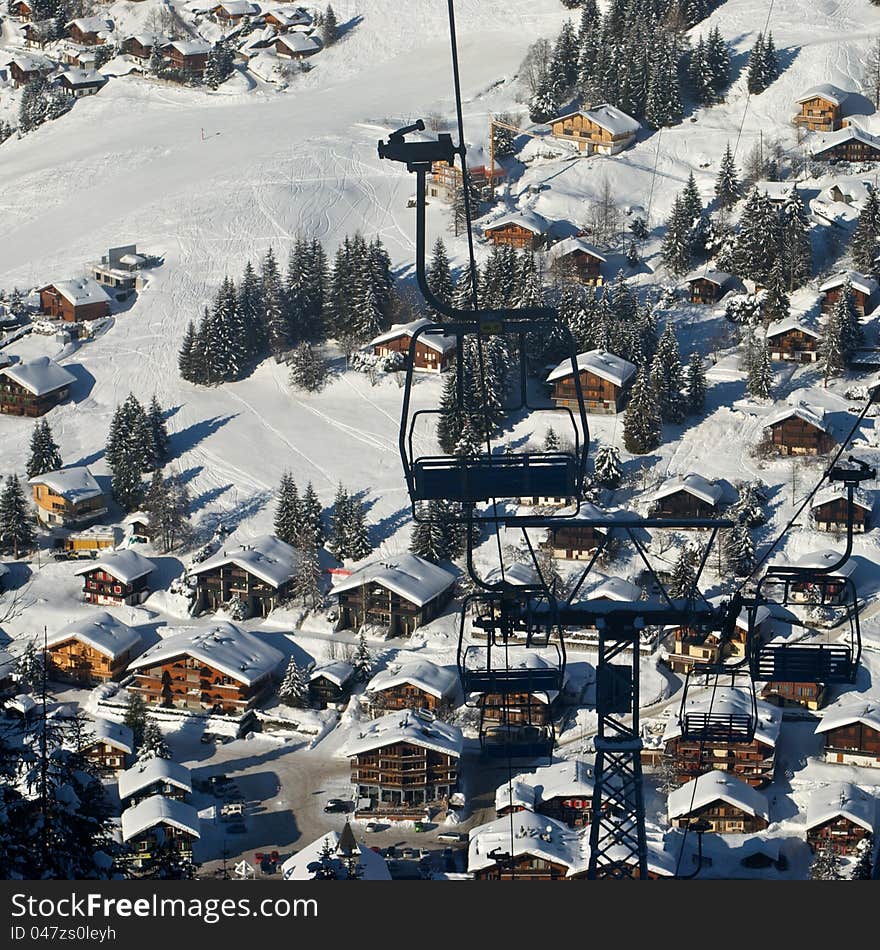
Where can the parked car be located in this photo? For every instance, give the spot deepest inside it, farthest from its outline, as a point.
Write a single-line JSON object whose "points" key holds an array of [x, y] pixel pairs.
{"points": [[372, 826], [454, 836], [335, 805]]}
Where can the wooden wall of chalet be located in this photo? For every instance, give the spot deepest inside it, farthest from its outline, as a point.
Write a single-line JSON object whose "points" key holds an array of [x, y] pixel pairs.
{"points": [[323, 691], [851, 150], [107, 757], [582, 267], [514, 708], [526, 867], [15, 400], [63, 508], [600, 395], [805, 695], [819, 115], [404, 696], [682, 504], [217, 586], [860, 299], [514, 235], [82, 663], [372, 603], [410, 775], [704, 291], [724, 819], [583, 132], [832, 516], [793, 345], [796, 436], [426, 356], [54, 304], [856, 737], [101, 587], [573, 542], [839, 833], [753, 762], [185, 683]]}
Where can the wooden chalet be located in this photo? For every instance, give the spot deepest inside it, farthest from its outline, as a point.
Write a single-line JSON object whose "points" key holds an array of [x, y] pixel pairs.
{"points": [[446, 181], [404, 765], [413, 684], [540, 849], [574, 541], [330, 683], [578, 259], [188, 57], [799, 430], [21, 10], [435, 352], [851, 144], [839, 816], [793, 339], [605, 381], [79, 83], [754, 762], [157, 824], [220, 669], [154, 777], [834, 587], [708, 287], [89, 31], [562, 791], [259, 573], [851, 733], [863, 289], [830, 511], [109, 745], [33, 388], [523, 230], [234, 11], [74, 300], [804, 695], [289, 18], [68, 497], [296, 46], [117, 579], [24, 69], [689, 497], [602, 130], [92, 650], [398, 595], [137, 527], [140, 46], [820, 108], [693, 646], [728, 804]]}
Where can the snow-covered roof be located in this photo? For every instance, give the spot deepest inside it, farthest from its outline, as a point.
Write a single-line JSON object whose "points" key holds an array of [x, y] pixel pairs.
{"points": [[717, 277], [126, 566], [299, 42], [39, 376], [414, 726], [604, 365], [303, 865], [28, 62], [616, 588], [272, 560], [822, 559], [438, 681], [75, 484], [113, 734], [716, 785], [91, 24], [569, 778], [532, 834], [842, 799], [825, 90], [867, 285], [290, 16], [528, 220], [852, 132], [408, 575], [159, 810], [518, 573], [101, 631], [849, 711], [857, 190], [607, 117], [81, 290], [146, 39], [75, 76], [693, 484], [238, 7], [776, 190], [839, 493], [337, 672], [191, 47], [570, 245], [144, 774], [731, 702], [791, 322], [222, 646], [442, 342], [813, 415]]}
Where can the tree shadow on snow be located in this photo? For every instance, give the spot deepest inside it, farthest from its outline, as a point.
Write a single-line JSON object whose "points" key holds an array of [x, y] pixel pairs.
{"points": [[83, 383], [343, 29], [191, 436], [230, 519]]}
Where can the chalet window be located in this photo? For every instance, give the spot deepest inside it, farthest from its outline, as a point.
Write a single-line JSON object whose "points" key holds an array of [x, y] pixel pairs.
{"points": [[117, 589]]}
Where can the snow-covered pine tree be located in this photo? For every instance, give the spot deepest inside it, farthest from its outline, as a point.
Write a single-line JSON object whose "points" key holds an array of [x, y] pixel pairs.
{"points": [[759, 240], [308, 369], [727, 185], [760, 375], [313, 516], [847, 318], [551, 441], [663, 106], [219, 64], [277, 330], [294, 687], [771, 61], [339, 516], [757, 67], [16, 523], [832, 355], [739, 549], [152, 744], [357, 532], [288, 511], [135, 716], [795, 247], [749, 506], [826, 865], [695, 384], [718, 62], [187, 362], [607, 468], [329, 27], [363, 659], [158, 432], [544, 104], [428, 539], [775, 305], [676, 249], [699, 74], [684, 573], [863, 869], [28, 670], [863, 246], [167, 504], [45, 455], [307, 577], [641, 419], [251, 307], [129, 452], [439, 276], [666, 377]]}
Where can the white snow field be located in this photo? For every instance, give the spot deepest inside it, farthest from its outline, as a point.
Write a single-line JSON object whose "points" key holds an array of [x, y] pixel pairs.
{"points": [[210, 180]]}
